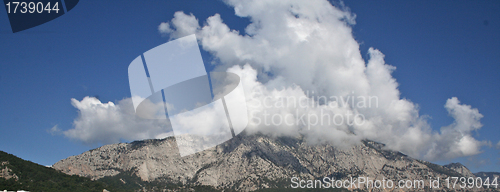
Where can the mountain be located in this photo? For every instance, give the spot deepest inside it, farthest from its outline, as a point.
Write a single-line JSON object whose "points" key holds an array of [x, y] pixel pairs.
{"points": [[458, 167], [485, 175], [249, 162], [19, 174]]}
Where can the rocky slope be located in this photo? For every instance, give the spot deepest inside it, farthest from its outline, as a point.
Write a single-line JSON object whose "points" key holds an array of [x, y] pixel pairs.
{"points": [[458, 167], [250, 162], [490, 175], [17, 174]]}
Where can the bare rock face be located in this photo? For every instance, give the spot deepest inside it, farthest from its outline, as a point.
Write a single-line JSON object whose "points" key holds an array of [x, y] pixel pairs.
{"points": [[490, 175], [6, 172], [458, 167], [250, 162]]}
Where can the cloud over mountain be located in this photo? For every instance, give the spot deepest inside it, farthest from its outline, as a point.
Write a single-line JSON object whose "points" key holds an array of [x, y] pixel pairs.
{"points": [[303, 73], [107, 123], [307, 49]]}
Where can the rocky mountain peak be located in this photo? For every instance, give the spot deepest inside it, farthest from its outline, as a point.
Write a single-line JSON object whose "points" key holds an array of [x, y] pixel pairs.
{"points": [[458, 167], [250, 162]]}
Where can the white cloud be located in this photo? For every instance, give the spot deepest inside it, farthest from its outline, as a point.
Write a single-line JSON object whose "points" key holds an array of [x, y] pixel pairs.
{"points": [[164, 28], [456, 139], [54, 130], [109, 123], [498, 145], [301, 50], [182, 25], [306, 49]]}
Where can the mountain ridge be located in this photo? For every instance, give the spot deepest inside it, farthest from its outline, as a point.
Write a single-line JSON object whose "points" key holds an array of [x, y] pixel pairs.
{"points": [[251, 162], [18, 174]]}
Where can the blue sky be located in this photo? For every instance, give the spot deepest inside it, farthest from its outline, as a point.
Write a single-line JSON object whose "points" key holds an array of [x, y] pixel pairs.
{"points": [[441, 50]]}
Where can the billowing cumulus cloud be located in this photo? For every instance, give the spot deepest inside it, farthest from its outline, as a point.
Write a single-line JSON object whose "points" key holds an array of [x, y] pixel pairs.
{"points": [[106, 123], [305, 49], [303, 73], [183, 25]]}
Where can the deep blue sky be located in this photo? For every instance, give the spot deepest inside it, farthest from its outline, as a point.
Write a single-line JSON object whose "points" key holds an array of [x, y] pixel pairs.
{"points": [[441, 49]]}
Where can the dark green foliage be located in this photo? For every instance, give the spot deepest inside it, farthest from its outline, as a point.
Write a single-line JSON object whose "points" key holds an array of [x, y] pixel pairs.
{"points": [[34, 177]]}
